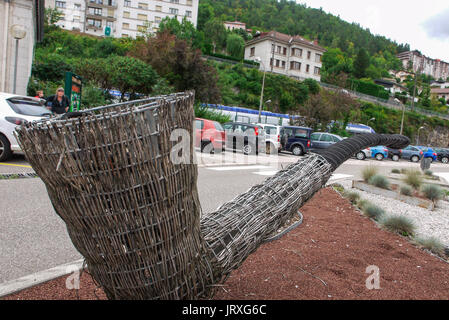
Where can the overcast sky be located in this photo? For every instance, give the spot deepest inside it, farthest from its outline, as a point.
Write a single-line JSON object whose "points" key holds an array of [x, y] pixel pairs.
{"points": [[422, 24]]}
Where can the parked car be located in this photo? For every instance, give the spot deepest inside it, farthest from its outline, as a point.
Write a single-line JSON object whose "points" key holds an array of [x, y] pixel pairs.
{"points": [[296, 139], [322, 140], [412, 153], [429, 153], [379, 152], [16, 110], [209, 136], [364, 154], [250, 138], [394, 154], [443, 155], [272, 138]]}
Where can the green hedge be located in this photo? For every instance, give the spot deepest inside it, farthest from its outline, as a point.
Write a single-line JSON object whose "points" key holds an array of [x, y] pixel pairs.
{"points": [[369, 88], [223, 56]]}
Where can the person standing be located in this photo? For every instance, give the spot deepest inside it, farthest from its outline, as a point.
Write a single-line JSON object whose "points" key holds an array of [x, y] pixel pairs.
{"points": [[59, 103]]}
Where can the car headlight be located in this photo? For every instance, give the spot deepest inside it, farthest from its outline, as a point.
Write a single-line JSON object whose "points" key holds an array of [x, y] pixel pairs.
{"points": [[16, 121]]}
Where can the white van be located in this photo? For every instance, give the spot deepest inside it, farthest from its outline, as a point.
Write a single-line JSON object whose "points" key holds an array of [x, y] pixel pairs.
{"points": [[273, 137]]}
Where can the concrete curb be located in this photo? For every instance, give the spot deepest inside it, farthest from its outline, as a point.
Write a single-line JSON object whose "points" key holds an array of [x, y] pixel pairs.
{"points": [[14, 286]]}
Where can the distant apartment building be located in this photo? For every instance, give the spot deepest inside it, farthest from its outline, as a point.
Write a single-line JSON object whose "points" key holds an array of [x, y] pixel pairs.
{"points": [[440, 93], [420, 63], [21, 26], [122, 18], [292, 56], [230, 26]]}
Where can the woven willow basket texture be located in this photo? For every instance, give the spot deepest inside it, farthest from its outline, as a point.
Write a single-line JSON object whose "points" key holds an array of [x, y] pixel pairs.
{"points": [[135, 215], [132, 214]]}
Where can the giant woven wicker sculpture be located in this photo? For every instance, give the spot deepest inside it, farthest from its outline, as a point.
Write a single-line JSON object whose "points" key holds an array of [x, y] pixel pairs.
{"points": [[135, 216]]}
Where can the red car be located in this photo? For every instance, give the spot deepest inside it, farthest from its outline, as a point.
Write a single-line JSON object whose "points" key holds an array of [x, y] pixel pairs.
{"points": [[209, 136]]}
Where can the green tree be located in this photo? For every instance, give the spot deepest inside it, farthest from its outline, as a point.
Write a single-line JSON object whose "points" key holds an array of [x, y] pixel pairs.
{"points": [[215, 31], [52, 16], [361, 63], [235, 46]]}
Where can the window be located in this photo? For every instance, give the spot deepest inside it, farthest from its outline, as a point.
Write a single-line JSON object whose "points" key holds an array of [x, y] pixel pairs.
{"points": [[141, 5], [309, 54], [77, 6], [174, 1], [95, 11], [297, 52], [141, 16], [284, 51], [308, 68], [317, 71], [125, 35], [174, 11], [301, 133], [110, 24], [315, 137], [318, 57], [283, 64], [141, 28], [279, 49], [126, 14], [127, 3], [326, 138], [125, 25], [199, 124], [229, 128], [111, 13], [218, 126], [271, 131], [158, 8], [76, 18], [60, 4], [94, 23], [189, 14], [157, 19], [277, 63], [189, 2], [252, 52], [294, 65]]}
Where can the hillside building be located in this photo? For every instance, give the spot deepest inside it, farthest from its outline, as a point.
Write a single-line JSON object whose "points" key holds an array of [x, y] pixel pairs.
{"points": [[292, 56], [419, 63], [121, 18]]}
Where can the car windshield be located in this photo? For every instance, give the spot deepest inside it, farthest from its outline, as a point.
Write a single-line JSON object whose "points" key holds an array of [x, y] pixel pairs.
{"points": [[28, 107], [218, 126]]}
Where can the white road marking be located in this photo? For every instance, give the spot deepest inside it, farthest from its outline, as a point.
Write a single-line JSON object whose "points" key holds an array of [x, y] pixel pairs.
{"points": [[235, 168]]}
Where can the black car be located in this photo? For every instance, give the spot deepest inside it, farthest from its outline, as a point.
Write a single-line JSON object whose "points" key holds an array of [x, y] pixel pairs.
{"points": [[394, 154], [442, 155], [296, 140], [250, 138]]}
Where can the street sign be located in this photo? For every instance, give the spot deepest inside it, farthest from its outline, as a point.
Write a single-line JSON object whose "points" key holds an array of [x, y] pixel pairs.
{"points": [[73, 88], [107, 31]]}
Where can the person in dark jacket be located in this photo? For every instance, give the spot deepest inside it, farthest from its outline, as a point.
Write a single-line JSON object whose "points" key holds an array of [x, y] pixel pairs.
{"points": [[59, 103]]}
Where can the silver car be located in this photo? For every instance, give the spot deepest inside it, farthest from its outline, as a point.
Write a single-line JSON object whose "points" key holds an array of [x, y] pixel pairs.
{"points": [[16, 110]]}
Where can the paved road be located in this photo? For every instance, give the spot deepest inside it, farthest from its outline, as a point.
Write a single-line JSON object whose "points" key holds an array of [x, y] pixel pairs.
{"points": [[33, 238]]}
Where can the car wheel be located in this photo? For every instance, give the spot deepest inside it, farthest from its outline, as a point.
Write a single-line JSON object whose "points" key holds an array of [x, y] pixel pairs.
{"points": [[395, 158], [248, 149], [297, 151], [415, 159], [361, 155], [5, 148], [445, 160], [207, 147], [379, 157]]}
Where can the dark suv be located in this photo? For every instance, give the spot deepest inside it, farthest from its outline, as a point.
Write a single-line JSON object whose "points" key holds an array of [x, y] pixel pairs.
{"points": [[296, 139], [250, 138]]}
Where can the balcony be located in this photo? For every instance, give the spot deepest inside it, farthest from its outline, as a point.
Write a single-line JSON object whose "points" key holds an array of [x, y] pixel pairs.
{"points": [[102, 4]]}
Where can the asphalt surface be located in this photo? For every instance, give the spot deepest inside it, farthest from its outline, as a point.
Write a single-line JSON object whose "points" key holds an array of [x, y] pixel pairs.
{"points": [[34, 238]]}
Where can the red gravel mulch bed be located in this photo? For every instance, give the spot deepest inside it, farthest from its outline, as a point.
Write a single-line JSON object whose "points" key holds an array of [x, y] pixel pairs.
{"points": [[325, 258]]}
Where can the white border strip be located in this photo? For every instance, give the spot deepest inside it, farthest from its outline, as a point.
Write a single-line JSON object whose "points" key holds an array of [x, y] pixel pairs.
{"points": [[14, 286]]}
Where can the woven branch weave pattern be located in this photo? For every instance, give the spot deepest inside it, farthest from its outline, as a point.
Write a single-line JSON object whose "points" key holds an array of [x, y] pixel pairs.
{"points": [[135, 215]]}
